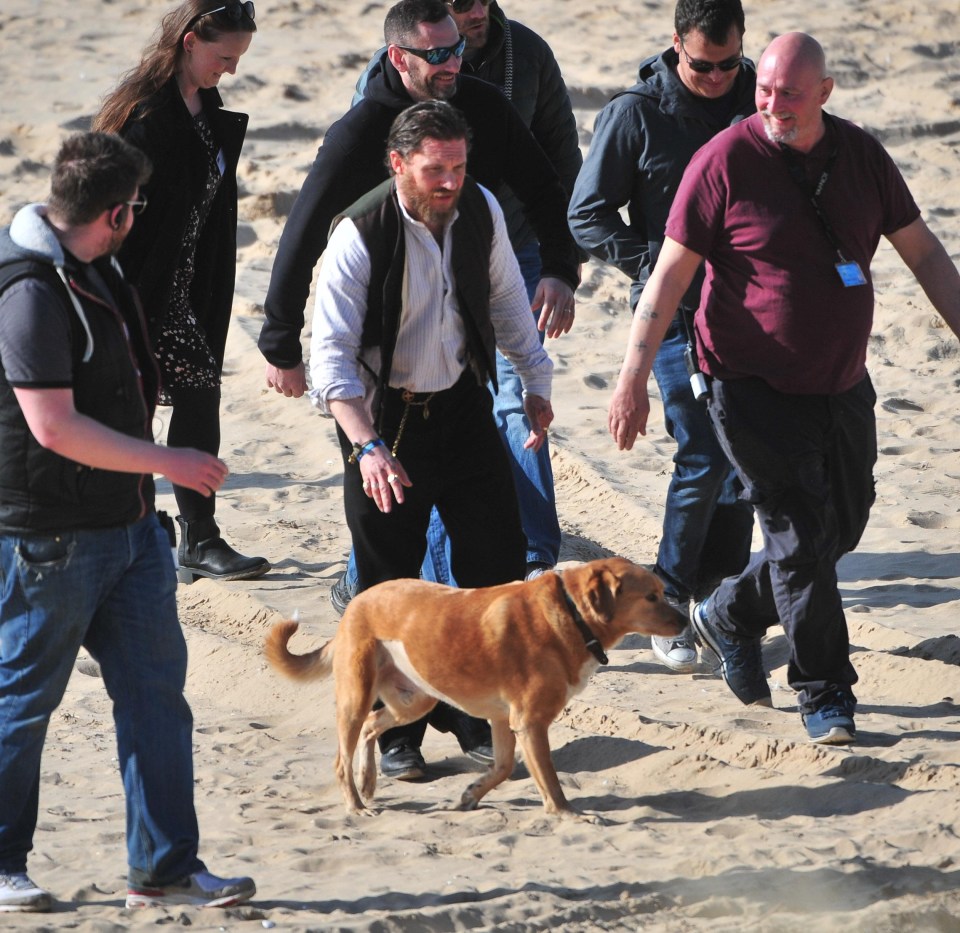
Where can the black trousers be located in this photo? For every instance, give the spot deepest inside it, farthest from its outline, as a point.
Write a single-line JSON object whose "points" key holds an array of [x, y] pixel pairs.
{"points": [[806, 464], [195, 422], [456, 460]]}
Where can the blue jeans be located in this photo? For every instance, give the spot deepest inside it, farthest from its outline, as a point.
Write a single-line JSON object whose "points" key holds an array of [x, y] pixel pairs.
{"points": [[113, 591], [707, 527], [532, 472]]}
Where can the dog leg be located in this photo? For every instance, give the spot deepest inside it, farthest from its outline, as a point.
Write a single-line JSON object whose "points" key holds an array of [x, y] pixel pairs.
{"points": [[504, 746], [535, 744]]}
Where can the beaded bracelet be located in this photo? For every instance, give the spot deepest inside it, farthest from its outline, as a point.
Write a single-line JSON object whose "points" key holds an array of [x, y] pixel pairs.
{"points": [[360, 450]]}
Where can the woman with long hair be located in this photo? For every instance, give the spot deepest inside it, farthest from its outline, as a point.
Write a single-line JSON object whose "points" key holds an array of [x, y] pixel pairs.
{"points": [[182, 253]]}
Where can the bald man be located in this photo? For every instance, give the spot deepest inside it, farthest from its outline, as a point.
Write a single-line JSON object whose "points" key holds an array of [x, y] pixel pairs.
{"points": [[787, 208]]}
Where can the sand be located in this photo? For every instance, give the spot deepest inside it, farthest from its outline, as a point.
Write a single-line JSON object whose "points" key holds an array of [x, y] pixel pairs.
{"points": [[714, 816]]}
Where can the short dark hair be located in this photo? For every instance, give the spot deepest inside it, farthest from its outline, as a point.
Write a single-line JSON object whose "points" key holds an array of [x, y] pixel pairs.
{"points": [[711, 17], [403, 18], [93, 172], [430, 119]]}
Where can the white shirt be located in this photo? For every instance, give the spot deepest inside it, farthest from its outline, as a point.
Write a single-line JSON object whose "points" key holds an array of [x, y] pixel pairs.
{"points": [[431, 348]]}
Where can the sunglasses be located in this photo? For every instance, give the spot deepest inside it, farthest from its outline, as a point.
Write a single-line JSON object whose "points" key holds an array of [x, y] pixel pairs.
{"points": [[464, 6], [138, 207], [437, 56], [233, 11], [704, 68]]}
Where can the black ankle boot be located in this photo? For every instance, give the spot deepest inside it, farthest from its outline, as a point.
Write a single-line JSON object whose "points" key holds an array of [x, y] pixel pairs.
{"points": [[203, 553]]}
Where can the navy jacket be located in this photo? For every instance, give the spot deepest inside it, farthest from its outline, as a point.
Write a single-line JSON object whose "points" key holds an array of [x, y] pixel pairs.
{"points": [[643, 139]]}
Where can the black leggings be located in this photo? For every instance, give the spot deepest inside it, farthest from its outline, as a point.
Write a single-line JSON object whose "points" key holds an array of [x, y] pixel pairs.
{"points": [[195, 422]]}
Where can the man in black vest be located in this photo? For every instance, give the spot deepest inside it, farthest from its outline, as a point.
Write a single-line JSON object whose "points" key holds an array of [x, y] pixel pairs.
{"points": [[83, 557], [409, 392]]}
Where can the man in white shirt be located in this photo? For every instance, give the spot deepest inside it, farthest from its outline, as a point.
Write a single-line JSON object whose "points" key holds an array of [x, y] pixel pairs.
{"points": [[418, 288]]}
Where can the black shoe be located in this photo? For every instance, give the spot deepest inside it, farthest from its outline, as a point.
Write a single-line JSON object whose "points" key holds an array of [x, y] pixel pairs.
{"points": [[204, 553], [341, 593], [403, 762], [741, 660]]}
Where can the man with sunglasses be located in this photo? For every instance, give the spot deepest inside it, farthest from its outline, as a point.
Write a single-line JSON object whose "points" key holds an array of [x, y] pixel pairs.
{"points": [[83, 557], [519, 62], [350, 163], [643, 140]]}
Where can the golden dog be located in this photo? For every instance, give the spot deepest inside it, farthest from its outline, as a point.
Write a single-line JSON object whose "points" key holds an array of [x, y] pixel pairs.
{"points": [[513, 654]]}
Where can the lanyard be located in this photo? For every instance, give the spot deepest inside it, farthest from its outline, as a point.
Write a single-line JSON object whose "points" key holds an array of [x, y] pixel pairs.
{"points": [[796, 172]]}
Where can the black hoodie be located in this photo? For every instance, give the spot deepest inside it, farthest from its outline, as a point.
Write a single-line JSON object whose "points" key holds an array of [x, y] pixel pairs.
{"points": [[351, 162]]}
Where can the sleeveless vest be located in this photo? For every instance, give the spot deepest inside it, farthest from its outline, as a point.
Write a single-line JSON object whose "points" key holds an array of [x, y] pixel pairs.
{"points": [[379, 221]]}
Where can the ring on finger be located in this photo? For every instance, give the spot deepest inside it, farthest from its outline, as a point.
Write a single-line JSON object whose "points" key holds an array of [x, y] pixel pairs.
{"points": [[392, 478]]}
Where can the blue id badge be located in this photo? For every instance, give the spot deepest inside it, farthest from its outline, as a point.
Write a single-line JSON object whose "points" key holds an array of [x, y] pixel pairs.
{"points": [[850, 274]]}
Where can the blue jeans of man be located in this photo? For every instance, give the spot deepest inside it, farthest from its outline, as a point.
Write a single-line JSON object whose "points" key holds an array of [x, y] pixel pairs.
{"points": [[113, 591], [707, 527], [532, 472], [806, 463]]}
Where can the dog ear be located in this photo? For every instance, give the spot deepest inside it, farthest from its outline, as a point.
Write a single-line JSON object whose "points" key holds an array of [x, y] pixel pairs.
{"points": [[602, 591]]}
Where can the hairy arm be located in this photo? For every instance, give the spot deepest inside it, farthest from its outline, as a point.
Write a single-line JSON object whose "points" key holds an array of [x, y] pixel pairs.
{"points": [[927, 259], [630, 405]]}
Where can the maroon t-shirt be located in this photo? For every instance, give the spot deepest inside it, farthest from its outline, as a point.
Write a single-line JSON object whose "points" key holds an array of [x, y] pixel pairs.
{"points": [[773, 304]]}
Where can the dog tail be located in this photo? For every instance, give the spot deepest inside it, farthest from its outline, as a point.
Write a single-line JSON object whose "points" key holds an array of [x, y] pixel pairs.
{"points": [[314, 665]]}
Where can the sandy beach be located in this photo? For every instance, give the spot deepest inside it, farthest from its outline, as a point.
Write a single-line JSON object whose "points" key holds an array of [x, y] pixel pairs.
{"points": [[714, 816]]}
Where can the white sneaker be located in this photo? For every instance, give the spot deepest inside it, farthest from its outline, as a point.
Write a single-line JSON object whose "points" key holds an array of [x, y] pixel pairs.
{"points": [[679, 652], [19, 893]]}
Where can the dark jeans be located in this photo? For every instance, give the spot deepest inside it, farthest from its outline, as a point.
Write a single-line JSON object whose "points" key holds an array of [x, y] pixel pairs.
{"points": [[457, 462], [707, 527], [806, 463]]}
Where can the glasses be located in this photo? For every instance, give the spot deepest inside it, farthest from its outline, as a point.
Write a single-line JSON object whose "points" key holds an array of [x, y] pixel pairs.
{"points": [[464, 6], [138, 206], [437, 56], [233, 11], [704, 68]]}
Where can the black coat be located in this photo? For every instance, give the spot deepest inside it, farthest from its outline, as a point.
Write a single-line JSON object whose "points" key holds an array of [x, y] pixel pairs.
{"points": [[162, 127], [351, 162]]}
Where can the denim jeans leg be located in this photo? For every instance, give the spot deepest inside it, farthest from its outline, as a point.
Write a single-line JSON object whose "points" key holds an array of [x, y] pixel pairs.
{"points": [[136, 637], [707, 529], [532, 472], [45, 604]]}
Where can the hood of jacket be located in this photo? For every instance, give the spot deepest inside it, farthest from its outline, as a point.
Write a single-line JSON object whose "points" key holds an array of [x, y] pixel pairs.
{"points": [[31, 237], [658, 81]]}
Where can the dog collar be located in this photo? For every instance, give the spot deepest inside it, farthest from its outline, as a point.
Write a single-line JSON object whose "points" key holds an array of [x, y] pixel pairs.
{"points": [[593, 645]]}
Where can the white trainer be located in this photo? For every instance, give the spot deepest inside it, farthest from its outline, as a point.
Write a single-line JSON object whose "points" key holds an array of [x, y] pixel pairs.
{"points": [[19, 894], [678, 652]]}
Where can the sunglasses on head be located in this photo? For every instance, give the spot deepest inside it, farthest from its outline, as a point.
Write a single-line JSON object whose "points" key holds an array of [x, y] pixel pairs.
{"points": [[138, 206], [464, 6], [704, 68], [437, 56], [233, 11]]}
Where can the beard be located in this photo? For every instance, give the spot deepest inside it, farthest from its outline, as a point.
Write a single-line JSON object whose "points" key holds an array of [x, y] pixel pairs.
{"points": [[432, 88], [784, 136], [424, 206]]}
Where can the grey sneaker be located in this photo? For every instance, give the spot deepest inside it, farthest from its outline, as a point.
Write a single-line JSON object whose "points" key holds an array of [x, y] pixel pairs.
{"points": [[201, 889], [341, 593], [536, 569], [678, 652], [18, 894]]}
